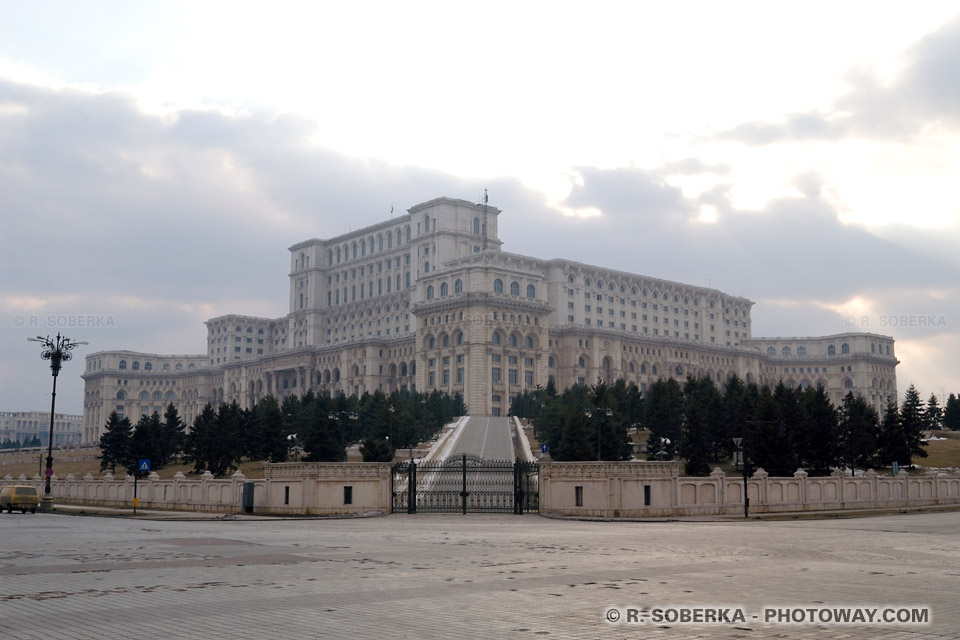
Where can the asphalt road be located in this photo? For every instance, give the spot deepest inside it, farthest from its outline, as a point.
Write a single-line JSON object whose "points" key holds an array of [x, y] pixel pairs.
{"points": [[488, 438]]}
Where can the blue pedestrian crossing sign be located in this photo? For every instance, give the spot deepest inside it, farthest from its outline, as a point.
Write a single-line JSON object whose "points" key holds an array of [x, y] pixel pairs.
{"points": [[544, 447], [143, 465]]}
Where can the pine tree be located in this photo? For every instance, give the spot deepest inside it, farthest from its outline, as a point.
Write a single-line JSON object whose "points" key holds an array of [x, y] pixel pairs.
{"points": [[377, 450], [115, 442], [820, 430], [933, 414], [702, 407], [951, 413], [174, 433], [147, 443], [912, 423], [663, 416], [858, 433], [268, 439]]}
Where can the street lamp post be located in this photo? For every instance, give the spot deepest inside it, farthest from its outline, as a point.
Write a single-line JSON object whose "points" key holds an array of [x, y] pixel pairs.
{"points": [[57, 351], [296, 446], [605, 412], [338, 417], [742, 448]]}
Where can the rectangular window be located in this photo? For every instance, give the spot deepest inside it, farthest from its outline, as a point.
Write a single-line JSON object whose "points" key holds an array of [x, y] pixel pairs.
{"points": [[495, 374], [578, 496], [512, 376], [286, 495], [460, 375], [528, 378], [646, 495], [348, 495]]}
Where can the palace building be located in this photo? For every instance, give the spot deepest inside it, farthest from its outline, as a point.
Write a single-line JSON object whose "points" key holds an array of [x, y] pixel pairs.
{"points": [[428, 300]]}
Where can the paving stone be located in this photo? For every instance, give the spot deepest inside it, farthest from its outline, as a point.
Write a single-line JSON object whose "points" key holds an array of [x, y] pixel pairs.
{"points": [[475, 576]]}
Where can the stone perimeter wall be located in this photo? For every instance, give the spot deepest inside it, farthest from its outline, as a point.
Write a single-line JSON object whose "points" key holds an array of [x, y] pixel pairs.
{"points": [[577, 489]]}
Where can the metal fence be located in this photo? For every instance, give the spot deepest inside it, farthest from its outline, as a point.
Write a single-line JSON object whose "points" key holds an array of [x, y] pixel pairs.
{"points": [[465, 484]]}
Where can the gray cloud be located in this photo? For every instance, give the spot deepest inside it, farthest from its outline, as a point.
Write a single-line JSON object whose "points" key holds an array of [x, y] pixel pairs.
{"points": [[926, 92], [155, 225]]}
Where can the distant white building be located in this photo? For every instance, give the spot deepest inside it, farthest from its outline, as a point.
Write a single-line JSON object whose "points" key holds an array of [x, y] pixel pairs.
{"points": [[21, 426], [428, 300]]}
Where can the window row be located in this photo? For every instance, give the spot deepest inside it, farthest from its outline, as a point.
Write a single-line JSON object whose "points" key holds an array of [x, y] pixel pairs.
{"points": [[148, 366]]}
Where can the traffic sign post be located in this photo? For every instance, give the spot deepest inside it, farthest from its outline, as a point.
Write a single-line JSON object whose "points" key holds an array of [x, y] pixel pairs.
{"points": [[142, 465]]}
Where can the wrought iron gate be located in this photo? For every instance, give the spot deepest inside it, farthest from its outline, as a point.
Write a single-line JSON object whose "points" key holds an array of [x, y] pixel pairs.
{"points": [[466, 483]]}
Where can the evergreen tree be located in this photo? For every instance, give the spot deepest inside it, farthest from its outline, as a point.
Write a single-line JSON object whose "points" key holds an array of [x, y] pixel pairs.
{"points": [[115, 443], [174, 435], [951, 413], [326, 434], [199, 441], [575, 439], [890, 447], [663, 416], [933, 414], [147, 443], [819, 427], [912, 423], [702, 408], [902, 433], [858, 433], [214, 441], [377, 450], [269, 441]]}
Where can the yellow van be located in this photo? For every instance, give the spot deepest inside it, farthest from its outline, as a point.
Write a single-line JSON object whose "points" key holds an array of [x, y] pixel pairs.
{"points": [[21, 497]]}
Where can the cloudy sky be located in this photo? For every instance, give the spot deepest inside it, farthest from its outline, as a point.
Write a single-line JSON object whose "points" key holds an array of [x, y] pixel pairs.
{"points": [[157, 159]]}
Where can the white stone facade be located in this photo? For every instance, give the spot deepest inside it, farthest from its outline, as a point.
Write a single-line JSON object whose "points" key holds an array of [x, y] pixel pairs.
{"points": [[20, 426], [428, 300]]}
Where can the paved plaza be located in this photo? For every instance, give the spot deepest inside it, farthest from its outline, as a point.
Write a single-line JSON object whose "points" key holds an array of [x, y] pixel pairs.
{"points": [[475, 576]]}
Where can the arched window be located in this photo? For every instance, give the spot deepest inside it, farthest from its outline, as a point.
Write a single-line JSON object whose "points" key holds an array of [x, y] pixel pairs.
{"points": [[515, 288], [443, 290], [408, 234], [785, 352], [844, 348], [476, 226], [551, 362], [121, 395], [179, 366], [430, 292], [166, 367], [771, 351], [123, 364], [599, 284], [679, 371], [528, 342], [643, 368], [363, 248], [801, 351], [431, 343], [458, 287], [389, 241], [136, 365], [653, 370], [498, 286], [446, 340], [513, 340], [831, 350], [148, 366], [354, 247], [380, 243], [426, 224], [581, 362], [459, 339], [570, 279], [848, 384], [631, 368], [531, 291], [426, 267], [497, 339]]}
